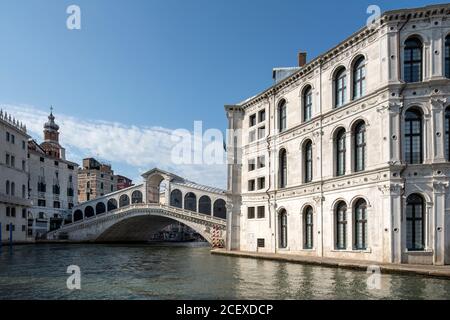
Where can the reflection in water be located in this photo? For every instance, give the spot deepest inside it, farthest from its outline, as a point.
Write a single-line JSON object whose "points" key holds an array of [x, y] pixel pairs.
{"points": [[188, 272]]}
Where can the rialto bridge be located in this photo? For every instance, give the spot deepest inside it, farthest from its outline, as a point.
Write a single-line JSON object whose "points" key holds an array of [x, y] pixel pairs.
{"points": [[135, 213]]}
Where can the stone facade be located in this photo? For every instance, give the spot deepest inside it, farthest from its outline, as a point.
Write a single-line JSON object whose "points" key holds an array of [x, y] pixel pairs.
{"points": [[96, 179], [14, 202], [52, 182], [348, 157]]}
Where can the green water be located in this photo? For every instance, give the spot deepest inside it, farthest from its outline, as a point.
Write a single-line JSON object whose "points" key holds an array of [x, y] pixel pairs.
{"points": [[189, 271]]}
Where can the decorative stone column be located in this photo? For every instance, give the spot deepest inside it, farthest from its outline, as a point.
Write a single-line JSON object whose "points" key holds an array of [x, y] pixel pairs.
{"points": [[395, 138], [438, 227], [319, 222], [438, 129], [392, 222]]}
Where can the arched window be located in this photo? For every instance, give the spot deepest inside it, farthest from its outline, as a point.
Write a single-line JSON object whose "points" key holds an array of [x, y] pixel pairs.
{"points": [[340, 87], [413, 56], [124, 201], [190, 202], [447, 133], [359, 78], [7, 187], [307, 103], [282, 169], [308, 166], [447, 56], [282, 116], [341, 226], [100, 208], [361, 225], [112, 204], [176, 199], [136, 197], [77, 216], [220, 210], [308, 228], [415, 223], [89, 212], [340, 152], [360, 146], [282, 223], [413, 137], [204, 205]]}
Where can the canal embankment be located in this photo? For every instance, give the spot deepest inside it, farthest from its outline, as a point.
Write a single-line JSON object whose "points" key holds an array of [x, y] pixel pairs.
{"points": [[424, 270]]}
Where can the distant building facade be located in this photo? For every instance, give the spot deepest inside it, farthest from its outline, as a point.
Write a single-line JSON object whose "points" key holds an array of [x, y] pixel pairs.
{"points": [[123, 182], [349, 156], [96, 179], [52, 181], [14, 201]]}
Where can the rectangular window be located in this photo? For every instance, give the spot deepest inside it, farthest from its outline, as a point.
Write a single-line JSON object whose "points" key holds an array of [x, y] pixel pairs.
{"points": [[261, 212], [7, 162], [13, 161], [7, 136], [41, 159], [56, 163], [24, 228], [252, 136], [261, 162], [24, 213], [23, 165], [23, 145], [13, 139], [251, 212], [262, 115], [252, 120], [8, 211], [261, 132], [251, 165], [261, 243], [41, 203], [56, 204], [251, 185], [261, 183], [13, 212]]}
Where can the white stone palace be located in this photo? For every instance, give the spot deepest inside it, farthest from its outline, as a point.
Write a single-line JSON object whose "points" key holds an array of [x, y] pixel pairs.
{"points": [[347, 156], [14, 200]]}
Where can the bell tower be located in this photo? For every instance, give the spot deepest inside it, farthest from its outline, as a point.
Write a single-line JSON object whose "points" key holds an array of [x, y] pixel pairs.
{"points": [[51, 137]]}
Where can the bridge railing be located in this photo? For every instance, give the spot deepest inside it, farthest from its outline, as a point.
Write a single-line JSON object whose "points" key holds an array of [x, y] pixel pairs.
{"points": [[181, 211]]}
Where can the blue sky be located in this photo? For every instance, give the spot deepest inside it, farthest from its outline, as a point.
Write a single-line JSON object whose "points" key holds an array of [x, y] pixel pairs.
{"points": [[147, 64]]}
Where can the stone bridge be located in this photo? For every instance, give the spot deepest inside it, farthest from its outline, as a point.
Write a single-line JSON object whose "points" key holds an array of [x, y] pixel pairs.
{"points": [[136, 213]]}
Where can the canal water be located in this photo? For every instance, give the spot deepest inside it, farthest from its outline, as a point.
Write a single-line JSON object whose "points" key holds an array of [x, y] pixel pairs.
{"points": [[189, 271]]}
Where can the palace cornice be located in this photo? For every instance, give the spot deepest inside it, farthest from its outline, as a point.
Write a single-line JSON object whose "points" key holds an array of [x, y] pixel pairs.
{"points": [[364, 179], [363, 34]]}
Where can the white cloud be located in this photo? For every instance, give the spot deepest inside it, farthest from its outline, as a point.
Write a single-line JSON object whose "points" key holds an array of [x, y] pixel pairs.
{"points": [[139, 148]]}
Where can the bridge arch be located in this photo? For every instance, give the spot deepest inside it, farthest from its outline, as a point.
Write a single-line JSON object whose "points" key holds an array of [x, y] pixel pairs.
{"points": [[204, 205], [112, 204], [220, 210], [138, 227], [136, 197], [124, 201], [100, 208], [190, 202], [89, 212], [77, 216], [176, 199]]}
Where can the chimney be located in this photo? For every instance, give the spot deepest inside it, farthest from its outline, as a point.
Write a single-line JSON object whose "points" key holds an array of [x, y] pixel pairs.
{"points": [[301, 59]]}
